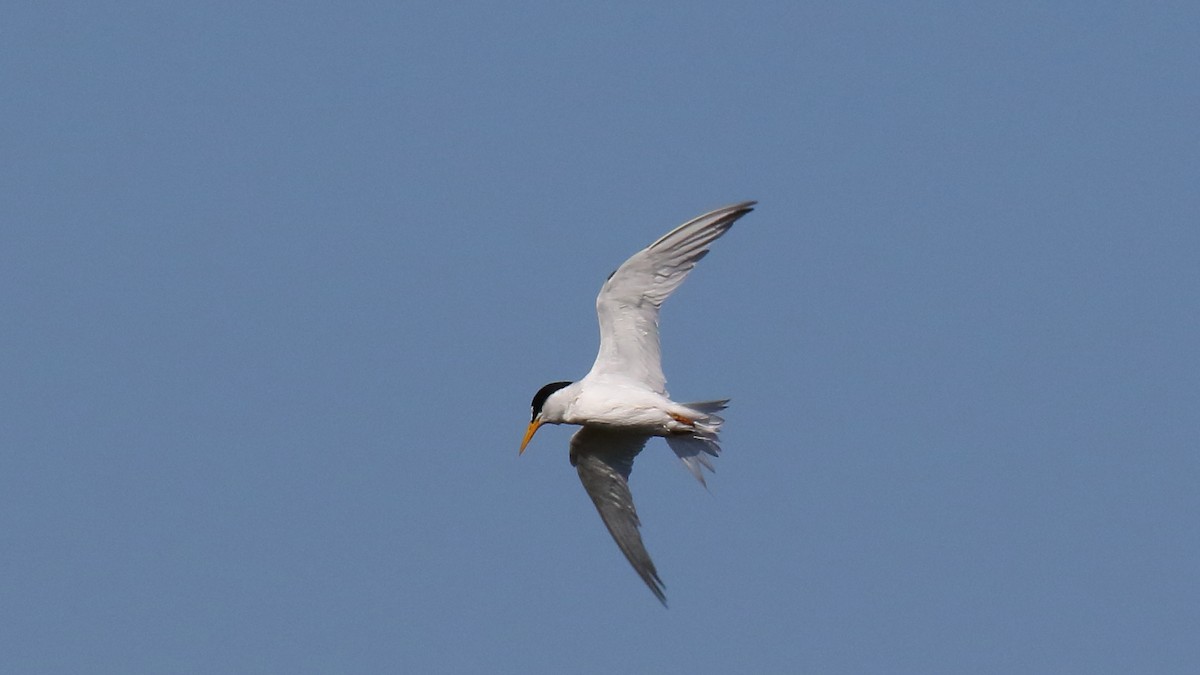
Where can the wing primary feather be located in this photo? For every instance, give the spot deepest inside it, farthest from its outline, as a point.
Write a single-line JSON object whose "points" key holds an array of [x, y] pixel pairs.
{"points": [[604, 460], [629, 301]]}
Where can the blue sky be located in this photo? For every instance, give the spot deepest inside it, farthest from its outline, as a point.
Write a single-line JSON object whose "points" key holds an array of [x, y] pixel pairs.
{"points": [[280, 280]]}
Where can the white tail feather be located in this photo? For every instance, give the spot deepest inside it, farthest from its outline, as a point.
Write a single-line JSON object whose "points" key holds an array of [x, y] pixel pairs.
{"points": [[694, 449]]}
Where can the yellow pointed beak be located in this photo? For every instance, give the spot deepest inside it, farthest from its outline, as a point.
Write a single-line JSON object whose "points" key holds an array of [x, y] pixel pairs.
{"points": [[533, 427]]}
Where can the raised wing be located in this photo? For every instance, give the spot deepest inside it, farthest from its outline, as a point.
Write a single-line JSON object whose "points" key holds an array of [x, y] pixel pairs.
{"points": [[604, 460], [629, 301]]}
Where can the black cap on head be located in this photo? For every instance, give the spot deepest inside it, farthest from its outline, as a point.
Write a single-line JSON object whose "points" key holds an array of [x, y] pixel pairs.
{"points": [[539, 399]]}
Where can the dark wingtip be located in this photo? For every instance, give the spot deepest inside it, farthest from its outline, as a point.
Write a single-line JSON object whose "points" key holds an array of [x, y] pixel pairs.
{"points": [[736, 211], [656, 585]]}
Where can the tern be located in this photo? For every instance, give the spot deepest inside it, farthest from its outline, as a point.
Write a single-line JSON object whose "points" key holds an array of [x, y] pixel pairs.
{"points": [[622, 402]]}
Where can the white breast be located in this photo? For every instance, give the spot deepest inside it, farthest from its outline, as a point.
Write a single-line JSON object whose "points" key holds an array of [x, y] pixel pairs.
{"points": [[620, 406]]}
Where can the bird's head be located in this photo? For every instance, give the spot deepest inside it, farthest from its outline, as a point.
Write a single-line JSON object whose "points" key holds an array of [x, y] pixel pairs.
{"points": [[538, 418]]}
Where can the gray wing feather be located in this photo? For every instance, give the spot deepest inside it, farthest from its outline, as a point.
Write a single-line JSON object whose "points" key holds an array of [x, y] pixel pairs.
{"points": [[629, 301], [604, 460]]}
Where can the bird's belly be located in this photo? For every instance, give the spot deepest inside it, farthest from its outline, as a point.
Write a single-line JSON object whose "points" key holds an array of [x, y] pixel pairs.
{"points": [[644, 413]]}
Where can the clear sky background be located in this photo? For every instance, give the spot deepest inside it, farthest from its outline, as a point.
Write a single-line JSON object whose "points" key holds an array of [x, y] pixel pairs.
{"points": [[280, 279]]}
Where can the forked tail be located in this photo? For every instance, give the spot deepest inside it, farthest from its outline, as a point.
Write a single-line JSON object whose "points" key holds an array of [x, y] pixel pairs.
{"points": [[695, 449]]}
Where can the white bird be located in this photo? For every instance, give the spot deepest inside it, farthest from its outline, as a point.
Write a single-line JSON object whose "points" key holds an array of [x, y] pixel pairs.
{"points": [[623, 400]]}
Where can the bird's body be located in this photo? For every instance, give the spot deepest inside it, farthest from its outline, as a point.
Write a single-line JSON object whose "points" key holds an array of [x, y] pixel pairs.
{"points": [[623, 402], [617, 406]]}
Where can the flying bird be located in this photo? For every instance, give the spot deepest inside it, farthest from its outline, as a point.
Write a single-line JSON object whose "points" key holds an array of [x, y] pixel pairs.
{"points": [[623, 400]]}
